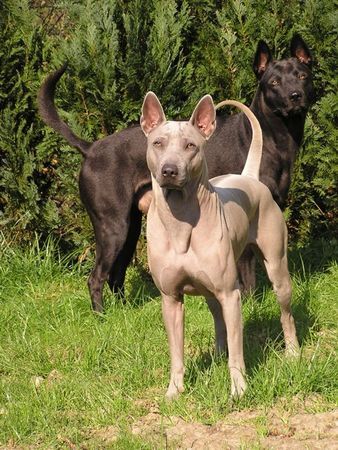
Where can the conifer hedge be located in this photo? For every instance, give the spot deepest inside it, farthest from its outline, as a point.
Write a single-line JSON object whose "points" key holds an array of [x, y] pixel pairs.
{"points": [[119, 49]]}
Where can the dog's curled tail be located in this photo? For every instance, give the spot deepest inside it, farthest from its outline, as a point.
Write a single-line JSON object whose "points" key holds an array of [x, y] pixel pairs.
{"points": [[253, 161], [49, 114]]}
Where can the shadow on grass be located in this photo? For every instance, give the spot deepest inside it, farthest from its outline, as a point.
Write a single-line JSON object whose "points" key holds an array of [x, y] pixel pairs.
{"points": [[200, 365], [315, 257], [259, 331], [139, 290], [259, 334], [305, 261], [142, 287]]}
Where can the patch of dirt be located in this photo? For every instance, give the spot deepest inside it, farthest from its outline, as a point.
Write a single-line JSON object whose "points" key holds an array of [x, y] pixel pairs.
{"points": [[243, 430], [106, 435], [304, 431], [178, 434]]}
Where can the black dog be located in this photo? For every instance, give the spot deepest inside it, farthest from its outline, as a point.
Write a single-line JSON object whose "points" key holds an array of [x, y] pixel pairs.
{"points": [[115, 184]]}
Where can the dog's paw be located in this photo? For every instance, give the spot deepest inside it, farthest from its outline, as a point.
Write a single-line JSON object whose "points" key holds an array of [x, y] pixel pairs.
{"points": [[175, 388], [292, 350], [238, 387], [173, 394]]}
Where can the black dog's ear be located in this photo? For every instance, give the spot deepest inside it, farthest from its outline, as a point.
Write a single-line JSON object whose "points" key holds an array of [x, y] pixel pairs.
{"points": [[263, 57], [300, 50]]}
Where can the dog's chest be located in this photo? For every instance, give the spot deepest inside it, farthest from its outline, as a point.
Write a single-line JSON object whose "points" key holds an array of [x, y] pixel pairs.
{"points": [[192, 272], [178, 274]]}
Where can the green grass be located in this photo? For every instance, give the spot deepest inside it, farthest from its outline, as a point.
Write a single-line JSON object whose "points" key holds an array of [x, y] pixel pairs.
{"points": [[65, 372]]}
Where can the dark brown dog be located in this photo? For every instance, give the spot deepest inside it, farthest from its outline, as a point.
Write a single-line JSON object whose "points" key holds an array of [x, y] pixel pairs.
{"points": [[115, 184]]}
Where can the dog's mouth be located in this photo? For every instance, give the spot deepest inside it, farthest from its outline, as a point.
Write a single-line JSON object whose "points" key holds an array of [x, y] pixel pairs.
{"points": [[292, 110], [177, 182], [172, 184]]}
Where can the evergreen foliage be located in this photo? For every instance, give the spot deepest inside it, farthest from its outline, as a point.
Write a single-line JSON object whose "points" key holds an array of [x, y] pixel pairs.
{"points": [[119, 49]]}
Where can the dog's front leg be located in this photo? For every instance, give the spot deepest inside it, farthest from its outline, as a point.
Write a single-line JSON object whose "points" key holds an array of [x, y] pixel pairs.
{"points": [[231, 307], [173, 316], [220, 330]]}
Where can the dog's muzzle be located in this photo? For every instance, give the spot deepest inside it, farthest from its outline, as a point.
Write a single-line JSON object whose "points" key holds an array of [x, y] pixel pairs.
{"points": [[170, 177], [169, 171], [295, 96], [293, 108], [296, 104]]}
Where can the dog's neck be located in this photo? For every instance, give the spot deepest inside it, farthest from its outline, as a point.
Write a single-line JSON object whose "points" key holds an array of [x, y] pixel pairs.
{"points": [[181, 210]]}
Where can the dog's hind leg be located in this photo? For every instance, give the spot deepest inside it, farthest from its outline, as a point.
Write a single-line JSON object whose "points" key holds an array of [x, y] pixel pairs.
{"points": [[118, 271], [271, 245], [246, 266], [273, 248], [279, 276], [110, 233]]}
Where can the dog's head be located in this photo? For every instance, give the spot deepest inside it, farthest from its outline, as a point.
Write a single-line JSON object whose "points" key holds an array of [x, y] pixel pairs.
{"points": [[286, 84], [175, 149]]}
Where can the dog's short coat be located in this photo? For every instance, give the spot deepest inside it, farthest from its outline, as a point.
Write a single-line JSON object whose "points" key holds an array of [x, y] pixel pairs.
{"points": [[115, 184], [197, 230]]}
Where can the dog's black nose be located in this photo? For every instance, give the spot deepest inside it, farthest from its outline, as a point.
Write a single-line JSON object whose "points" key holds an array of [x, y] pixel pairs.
{"points": [[295, 96], [170, 170]]}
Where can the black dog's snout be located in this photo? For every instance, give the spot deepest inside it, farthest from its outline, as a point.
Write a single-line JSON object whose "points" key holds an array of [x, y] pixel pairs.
{"points": [[295, 96], [170, 170]]}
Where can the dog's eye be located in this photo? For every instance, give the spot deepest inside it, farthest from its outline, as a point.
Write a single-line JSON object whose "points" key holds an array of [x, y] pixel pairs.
{"points": [[275, 82], [190, 146], [302, 76], [157, 143]]}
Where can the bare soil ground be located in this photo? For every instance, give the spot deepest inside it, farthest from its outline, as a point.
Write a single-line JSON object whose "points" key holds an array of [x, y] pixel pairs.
{"points": [[287, 426], [278, 428], [244, 430]]}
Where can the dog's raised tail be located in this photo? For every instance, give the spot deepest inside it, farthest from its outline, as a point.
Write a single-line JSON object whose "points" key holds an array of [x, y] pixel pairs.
{"points": [[253, 161], [49, 114]]}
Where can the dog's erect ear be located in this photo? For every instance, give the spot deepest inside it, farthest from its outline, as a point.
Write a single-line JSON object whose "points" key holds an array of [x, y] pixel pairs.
{"points": [[204, 117], [300, 50], [152, 113], [263, 57]]}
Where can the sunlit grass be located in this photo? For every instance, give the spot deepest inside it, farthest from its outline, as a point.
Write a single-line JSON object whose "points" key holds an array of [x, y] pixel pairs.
{"points": [[65, 371]]}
